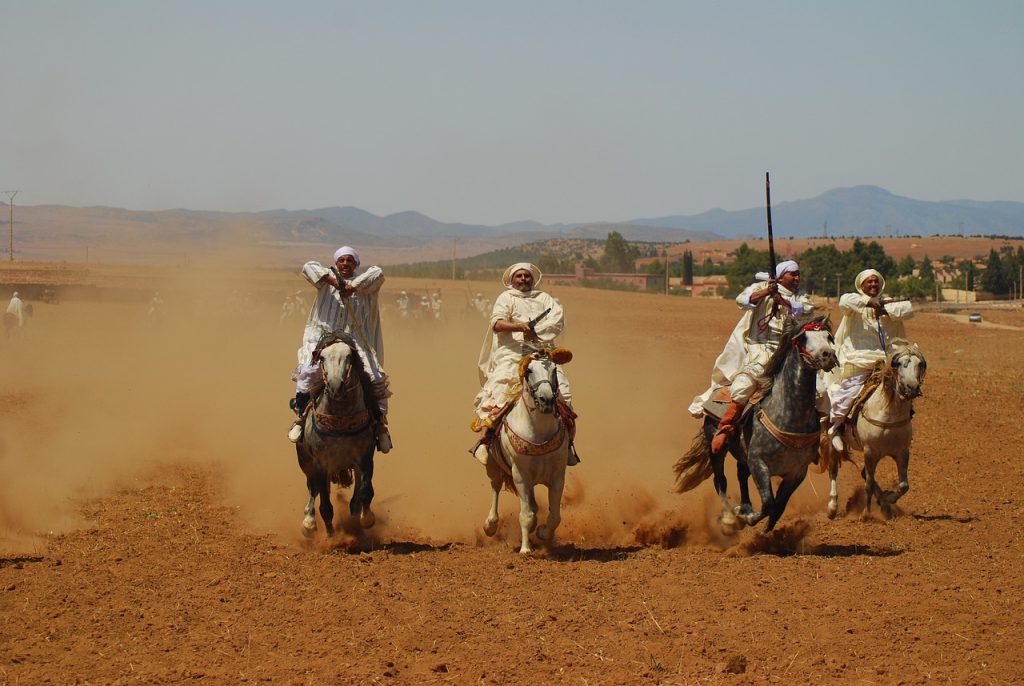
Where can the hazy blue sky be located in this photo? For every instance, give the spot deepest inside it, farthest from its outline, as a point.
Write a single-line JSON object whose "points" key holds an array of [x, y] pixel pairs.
{"points": [[486, 112]]}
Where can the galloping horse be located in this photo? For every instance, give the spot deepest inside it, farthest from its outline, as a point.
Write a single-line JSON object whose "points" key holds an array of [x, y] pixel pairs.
{"points": [[531, 447], [882, 427], [338, 441], [779, 434]]}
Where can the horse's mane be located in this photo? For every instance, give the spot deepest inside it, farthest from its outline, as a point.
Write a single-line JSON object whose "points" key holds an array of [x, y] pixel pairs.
{"points": [[790, 330]]}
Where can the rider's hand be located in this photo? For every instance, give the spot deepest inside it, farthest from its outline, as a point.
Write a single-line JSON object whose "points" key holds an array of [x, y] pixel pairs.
{"points": [[528, 333]]}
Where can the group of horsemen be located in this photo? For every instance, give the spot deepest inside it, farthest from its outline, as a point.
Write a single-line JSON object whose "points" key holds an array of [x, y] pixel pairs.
{"points": [[525, 318]]}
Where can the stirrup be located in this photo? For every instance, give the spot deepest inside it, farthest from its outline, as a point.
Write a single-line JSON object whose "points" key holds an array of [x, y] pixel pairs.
{"points": [[574, 457]]}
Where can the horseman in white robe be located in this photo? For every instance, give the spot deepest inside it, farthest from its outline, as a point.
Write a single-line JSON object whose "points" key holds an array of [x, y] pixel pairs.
{"points": [[870, 323], [16, 310], [502, 349], [766, 304], [345, 303]]}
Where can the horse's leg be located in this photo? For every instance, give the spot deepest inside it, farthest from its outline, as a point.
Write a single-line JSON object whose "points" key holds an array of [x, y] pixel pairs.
{"points": [[362, 492], [871, 489], [491, 523], [546, 531], [833, 489], [786, 488], [309, 521], [763, 480], [902, 463], [527, 509], [743, 476], [323, 489]]}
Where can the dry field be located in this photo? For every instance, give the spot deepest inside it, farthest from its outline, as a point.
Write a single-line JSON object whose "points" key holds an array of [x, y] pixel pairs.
{"points": [[150, 508]]}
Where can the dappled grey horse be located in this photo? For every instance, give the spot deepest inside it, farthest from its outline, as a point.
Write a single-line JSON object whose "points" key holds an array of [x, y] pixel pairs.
{"points": [[882, 427], [338, 442], [779, 435]]}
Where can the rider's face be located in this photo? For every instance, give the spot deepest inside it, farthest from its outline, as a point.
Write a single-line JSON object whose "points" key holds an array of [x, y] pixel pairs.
{"points": [[871, 286], [522, 281], [790, 280], [346, 265]]}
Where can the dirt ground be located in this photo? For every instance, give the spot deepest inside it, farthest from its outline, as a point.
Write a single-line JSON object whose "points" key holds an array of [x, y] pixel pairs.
{"points": [[150, 507]]}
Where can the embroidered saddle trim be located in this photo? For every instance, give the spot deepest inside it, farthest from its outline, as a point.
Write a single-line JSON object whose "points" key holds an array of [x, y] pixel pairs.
{"points": [[525, 447], [788, 438], [343, 423]]}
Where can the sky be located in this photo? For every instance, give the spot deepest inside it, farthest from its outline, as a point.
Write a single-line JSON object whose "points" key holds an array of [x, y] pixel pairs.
{"points": [[489, 112]]}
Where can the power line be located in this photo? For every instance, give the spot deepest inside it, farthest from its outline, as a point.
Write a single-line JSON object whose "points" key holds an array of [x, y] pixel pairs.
{"points": [[10, 248]]}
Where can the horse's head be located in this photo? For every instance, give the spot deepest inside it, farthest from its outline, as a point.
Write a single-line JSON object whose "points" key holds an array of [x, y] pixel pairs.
{"points": [[816, 345], [337, 362], [540, 381], [909, 366]]}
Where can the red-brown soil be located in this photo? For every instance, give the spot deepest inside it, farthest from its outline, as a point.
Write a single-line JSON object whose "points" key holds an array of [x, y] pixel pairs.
{"points": [[150, 508]]}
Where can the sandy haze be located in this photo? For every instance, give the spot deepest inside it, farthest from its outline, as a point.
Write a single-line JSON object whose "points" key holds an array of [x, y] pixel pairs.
{"points": [[108, 395]]}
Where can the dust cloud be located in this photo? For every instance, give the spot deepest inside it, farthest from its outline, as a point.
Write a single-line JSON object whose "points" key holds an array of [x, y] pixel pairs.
{"points": [[100, 395]]}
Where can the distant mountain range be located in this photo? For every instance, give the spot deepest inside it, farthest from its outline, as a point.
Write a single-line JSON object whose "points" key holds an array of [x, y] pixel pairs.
{"points": [[857, 211]]}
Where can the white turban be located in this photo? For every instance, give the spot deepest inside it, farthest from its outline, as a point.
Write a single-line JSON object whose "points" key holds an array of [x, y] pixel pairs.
{"points": [[346, 250], [780, 269], [506, 278], [865, 274], [786, 267], [15, 294]]}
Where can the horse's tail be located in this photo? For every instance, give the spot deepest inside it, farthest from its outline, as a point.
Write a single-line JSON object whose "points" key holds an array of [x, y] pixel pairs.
{"points": [[694, 467]]}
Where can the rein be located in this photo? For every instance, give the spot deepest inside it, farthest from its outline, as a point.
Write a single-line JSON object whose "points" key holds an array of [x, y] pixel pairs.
{"points": [[805, 357]]}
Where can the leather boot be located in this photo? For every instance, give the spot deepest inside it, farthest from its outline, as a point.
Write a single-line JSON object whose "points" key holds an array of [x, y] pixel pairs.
{"points": [[726, 426]]}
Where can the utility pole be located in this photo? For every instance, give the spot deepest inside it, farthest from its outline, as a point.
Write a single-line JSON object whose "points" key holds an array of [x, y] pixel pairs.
{"points": [[453, 259], [837, 287], [666, 271], [825, 230], [10, 246]]}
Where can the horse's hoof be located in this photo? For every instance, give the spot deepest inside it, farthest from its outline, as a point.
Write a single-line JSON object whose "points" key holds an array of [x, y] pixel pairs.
{"points": [[367, 520], [309, 527], [729, 518], [491, 528], [833, 509], [544, 534]]}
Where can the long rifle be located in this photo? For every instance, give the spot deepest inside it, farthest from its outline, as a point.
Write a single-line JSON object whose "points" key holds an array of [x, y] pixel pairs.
{"points": [[771, 237], [773, 289]]}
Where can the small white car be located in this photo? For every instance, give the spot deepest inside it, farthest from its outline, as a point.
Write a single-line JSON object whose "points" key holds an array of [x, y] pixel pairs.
{"points": [[974, 317]]}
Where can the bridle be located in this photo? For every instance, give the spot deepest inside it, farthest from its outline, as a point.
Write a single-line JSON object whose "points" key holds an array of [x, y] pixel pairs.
{"points": [[806, 358], [347, 383], [532, 388]]}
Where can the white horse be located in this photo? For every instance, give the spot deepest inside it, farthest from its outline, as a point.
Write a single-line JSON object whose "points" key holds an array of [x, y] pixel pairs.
{"points": [[338, 441], [531, 447], [882, 427]]}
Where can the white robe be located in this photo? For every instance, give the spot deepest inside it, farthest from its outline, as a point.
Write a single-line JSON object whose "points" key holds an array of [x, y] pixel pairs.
{"points": [[357, 315], [501, 352], [15, 308], [747, 347], [859, 347]]}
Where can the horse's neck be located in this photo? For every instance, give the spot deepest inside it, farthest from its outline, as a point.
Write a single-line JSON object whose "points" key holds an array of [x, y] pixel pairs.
{"points": [[532, 425], [793, 393], [885, 402], [350, 402]]}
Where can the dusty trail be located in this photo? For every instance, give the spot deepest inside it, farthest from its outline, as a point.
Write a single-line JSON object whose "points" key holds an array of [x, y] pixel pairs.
{"points": [[149, 512]]}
